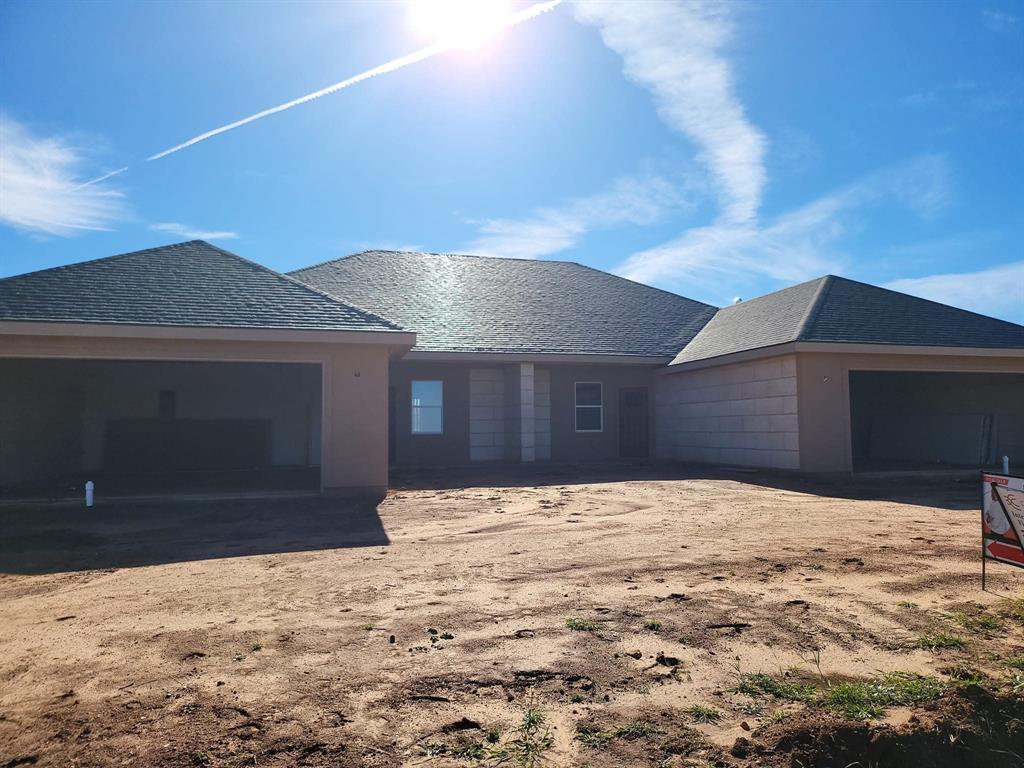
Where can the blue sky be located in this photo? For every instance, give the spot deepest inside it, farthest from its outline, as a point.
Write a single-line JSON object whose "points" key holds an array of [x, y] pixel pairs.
{"points": [[713, 149]]}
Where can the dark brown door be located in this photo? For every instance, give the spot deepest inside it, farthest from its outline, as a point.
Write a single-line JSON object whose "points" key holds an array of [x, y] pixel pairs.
{"points": [[633, 423]]}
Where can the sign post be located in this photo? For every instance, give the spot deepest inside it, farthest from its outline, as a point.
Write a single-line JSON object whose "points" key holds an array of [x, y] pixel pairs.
{"points": [[1002, 520]]}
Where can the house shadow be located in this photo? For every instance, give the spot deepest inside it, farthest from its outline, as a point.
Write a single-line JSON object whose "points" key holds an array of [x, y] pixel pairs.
{"points": [[40, 538], [952, 491]]}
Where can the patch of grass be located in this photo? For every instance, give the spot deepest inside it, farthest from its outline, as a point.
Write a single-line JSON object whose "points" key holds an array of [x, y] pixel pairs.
{"points": [[760, 684], [776, 717], [1014, 609], [906, 604], [199, 759], [816, 566], [935, 640], [367, 627], [634, 729], [577, 624], [702, 714], [966, 676], [981, 624], [866, 700], [576, 698], [1014, 662], [752, 708], [256, 647], [652, 624]]}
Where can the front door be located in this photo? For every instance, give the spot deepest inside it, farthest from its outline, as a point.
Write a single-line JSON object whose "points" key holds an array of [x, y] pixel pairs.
{"points": [[633, 423]]}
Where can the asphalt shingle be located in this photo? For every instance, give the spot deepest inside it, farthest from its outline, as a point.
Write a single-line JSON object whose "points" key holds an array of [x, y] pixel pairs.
{"points": [[188, 284], [477, 304], [837, 310]]}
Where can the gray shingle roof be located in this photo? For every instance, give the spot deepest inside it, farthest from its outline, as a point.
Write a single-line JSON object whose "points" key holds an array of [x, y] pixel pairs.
{"points": [[835, 309], [187, 284], [478, 304]]}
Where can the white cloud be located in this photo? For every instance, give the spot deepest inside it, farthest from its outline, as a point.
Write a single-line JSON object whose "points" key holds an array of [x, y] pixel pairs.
{"points": [[676, 51], [638, 201], [996, 291], [797, 245], [191, 233], [40, 191], [999, 21]]}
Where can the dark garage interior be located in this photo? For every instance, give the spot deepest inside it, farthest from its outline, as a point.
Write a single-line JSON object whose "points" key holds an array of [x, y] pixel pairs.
{"points": [[928, 420], [157, 427]]}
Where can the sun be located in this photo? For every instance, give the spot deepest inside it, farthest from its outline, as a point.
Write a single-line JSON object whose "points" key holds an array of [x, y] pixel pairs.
{"points": [[459, 23]]}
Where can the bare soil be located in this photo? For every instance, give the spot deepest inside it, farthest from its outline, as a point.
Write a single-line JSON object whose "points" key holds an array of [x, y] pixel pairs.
{"points": [[316, 632]]}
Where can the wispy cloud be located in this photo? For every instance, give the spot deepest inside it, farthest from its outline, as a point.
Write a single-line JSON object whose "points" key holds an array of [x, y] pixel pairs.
{"points": [[996, 291], [639, 201], [676, 51], [998, 21], [40, 188], [797, 245], [192, 233]]}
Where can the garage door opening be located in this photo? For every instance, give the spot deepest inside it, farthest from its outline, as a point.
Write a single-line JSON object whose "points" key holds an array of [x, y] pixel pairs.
{"points": [[907, 420], [142, 427]]}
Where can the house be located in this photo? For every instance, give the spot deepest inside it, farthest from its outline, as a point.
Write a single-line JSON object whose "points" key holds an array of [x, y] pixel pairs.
{"points": [[190, 366]]}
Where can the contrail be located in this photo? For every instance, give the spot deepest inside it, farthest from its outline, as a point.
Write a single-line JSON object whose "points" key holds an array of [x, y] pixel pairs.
{"points": [[526, 14], [104, 177]]}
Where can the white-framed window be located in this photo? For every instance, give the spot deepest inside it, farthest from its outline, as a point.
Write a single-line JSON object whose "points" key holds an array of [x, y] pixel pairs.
{"points": [[427, 407], [589, 406]]}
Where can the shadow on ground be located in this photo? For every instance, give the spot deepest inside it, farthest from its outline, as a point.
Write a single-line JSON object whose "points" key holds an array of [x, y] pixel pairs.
{"points": [[42, 538], [938, 489]]}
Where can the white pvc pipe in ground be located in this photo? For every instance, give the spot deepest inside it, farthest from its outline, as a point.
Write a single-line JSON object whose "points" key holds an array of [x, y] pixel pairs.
{"points": [[89, 487]]}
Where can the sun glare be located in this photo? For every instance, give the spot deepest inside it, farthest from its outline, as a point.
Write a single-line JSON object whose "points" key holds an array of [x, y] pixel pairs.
{"points": [[459, 23]]}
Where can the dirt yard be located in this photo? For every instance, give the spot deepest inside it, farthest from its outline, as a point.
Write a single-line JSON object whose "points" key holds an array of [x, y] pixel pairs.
{"points": [[570, 618]]}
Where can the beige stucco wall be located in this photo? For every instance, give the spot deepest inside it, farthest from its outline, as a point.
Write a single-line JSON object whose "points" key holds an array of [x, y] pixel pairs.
{"points": [[744, 414], [823, 382], [355, 384]]}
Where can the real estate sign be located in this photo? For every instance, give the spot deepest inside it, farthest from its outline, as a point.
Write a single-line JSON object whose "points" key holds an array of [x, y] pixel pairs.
{"points": [[1002, 520]]}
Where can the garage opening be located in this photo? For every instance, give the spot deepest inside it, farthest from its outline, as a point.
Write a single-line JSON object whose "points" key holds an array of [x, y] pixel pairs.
{"points": [[906, 420], [155, 427]]}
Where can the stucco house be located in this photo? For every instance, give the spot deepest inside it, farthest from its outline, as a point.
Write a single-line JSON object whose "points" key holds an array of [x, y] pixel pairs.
{"points": [[191, 363]]}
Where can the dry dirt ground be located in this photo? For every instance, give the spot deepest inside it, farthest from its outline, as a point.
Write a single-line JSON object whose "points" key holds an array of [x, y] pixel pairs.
{"points": [[575, 617]]}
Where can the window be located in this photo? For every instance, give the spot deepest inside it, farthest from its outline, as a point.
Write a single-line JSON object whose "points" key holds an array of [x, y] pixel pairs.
{"points": [[427, 407], [589, 410]]}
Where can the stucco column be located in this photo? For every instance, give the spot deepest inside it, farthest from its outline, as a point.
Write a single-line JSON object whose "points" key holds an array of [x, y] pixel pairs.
{"points": [[527, 438]]}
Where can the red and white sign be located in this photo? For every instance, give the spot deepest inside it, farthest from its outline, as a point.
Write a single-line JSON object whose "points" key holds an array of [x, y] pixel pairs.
{"points": [[1002, 518]]}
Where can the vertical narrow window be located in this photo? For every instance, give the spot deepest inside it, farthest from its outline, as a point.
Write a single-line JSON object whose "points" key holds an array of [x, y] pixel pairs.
{"points": [[589, 406], [427, 407]]}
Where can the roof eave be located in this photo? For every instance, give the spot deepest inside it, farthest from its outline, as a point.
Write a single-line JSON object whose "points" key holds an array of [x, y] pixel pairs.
{"points": [[580, 358], [841, 347], [385, 336]]}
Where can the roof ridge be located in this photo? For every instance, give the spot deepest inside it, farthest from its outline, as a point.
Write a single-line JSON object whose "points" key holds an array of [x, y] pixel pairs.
{"points": [[434, 253], [814, 306], [512, 258], [306, 286], [101, 258]]}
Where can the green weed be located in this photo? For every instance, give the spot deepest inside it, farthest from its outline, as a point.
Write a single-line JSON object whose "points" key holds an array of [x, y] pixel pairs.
{"points": [[702, 714], [582, 625]]}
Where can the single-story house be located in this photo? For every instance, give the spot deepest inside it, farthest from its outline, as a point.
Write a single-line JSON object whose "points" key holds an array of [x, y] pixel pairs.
{"points": [[188, 361]]}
